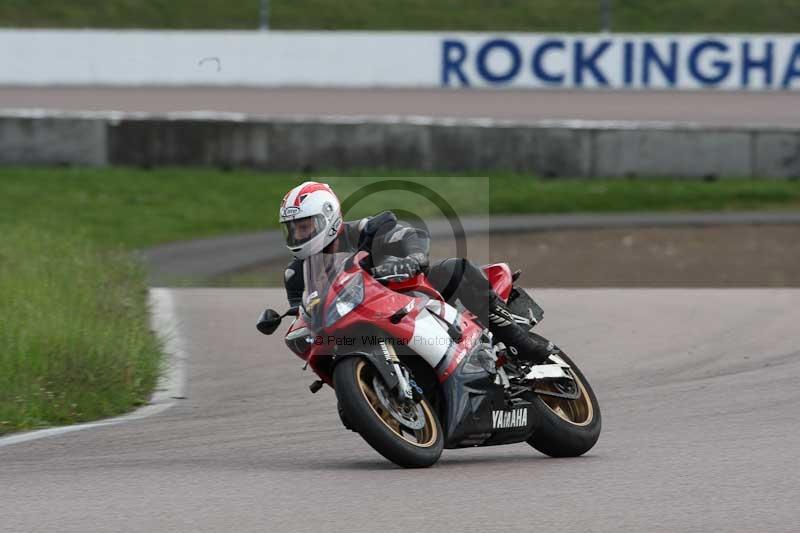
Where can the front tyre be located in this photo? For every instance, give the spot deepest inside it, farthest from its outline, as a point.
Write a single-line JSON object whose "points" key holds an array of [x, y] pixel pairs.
{"points": [[567, 428], [407, 434]]}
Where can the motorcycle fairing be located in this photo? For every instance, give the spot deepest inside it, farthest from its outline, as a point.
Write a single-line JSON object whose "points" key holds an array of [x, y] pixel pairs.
{"points": [[418, 284], [299, 338], [472, 333], [418, 329], [477, 412], [469, 398], [430, 339]]}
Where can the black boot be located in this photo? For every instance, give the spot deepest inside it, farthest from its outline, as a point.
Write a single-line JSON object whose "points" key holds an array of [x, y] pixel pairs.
{"points": [[515, 337]]}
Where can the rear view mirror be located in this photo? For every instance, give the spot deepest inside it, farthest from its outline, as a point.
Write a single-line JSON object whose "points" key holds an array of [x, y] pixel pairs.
{"points": [[269, 322]]}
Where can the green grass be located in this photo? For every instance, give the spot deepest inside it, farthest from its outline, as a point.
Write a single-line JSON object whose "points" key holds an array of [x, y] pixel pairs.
{"points": [[74, 340], [619, 195], [488, 15], [132, 208]]}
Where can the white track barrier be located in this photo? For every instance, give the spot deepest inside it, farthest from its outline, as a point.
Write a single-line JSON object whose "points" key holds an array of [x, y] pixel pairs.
{"points": [[399, 59]]}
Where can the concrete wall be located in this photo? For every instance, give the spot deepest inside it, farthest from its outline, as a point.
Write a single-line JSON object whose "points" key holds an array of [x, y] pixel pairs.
{"points": [[573, 148], [52, 140]]}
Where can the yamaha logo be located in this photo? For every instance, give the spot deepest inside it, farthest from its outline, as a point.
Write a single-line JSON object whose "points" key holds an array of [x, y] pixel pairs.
{"points": [[517, 418]]}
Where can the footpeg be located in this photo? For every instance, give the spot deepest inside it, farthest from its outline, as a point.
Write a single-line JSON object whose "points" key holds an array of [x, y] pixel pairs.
{"points": [[316, 386]]}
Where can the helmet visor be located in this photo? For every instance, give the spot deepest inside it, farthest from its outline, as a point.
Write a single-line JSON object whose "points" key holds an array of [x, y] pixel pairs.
{"points": [[302, 230]]}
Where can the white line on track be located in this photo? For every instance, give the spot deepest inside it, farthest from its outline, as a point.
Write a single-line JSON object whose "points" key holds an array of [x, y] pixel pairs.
{"points": [[171, 384]]}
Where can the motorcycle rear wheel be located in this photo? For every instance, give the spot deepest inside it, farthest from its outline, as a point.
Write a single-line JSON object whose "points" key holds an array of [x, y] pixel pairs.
{"points": [[368, 412], [567, 428]]}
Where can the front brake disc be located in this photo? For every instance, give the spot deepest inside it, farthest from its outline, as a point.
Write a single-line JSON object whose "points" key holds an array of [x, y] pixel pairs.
{"points": [[412, 415]]}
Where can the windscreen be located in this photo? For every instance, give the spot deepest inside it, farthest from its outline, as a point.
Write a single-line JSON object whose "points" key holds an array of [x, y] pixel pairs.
{"points": [[320, 271]]}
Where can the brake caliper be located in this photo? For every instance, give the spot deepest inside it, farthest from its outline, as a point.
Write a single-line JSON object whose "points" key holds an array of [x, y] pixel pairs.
{"points": [[416, 390]]}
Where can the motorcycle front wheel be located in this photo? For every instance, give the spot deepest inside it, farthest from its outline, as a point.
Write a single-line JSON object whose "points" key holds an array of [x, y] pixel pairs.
{"points": [[406, 433], [567, 428]]}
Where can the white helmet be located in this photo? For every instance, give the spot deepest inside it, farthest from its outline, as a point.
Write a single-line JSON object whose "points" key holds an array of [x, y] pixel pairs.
{"points": [[311, 218]]}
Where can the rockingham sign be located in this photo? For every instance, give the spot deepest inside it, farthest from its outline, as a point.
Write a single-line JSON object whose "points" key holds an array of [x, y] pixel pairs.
{"points": [[622, 61], [399, 59]]}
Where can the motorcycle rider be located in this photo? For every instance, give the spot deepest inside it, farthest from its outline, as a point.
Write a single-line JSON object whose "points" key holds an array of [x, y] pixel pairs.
{"points": [[311, 217]]}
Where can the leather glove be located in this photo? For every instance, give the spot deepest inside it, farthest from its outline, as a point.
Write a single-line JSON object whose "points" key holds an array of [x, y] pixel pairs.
{"points": [[396, 266]]}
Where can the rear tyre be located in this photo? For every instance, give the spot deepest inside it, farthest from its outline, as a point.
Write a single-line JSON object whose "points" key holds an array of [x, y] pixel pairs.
{"points": [[370, 409], [567, 428]]}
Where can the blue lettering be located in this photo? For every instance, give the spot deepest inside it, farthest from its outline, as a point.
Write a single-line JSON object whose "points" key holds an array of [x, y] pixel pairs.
{"points": [[748, 64], [627, 63], [453, 55], [483, 54], [792, 68], [583, 62], [668, 67], [723, 67], [538, 60]]}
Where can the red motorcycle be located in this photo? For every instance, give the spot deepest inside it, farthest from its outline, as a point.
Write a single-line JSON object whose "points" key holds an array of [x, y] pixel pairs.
{"points": [[414, 375]]}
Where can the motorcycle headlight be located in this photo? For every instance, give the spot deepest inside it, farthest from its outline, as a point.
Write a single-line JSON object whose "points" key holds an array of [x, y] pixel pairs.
{"points": [[348, 298]]}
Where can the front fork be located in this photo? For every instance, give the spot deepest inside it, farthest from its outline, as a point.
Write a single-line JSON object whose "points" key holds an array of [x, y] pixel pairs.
{"points": [[405, 390]]}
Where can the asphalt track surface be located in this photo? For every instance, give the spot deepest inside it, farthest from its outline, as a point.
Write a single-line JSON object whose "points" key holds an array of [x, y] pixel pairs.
{"points": [[698, 390], [712, 108]]}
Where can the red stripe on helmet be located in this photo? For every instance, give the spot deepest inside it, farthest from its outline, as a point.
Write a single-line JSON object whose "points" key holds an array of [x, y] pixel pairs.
{"points": [[308, 189]]}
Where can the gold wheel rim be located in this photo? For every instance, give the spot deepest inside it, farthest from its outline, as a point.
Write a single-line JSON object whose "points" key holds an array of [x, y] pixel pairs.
{"points": [[578, 412], [423, 438]]}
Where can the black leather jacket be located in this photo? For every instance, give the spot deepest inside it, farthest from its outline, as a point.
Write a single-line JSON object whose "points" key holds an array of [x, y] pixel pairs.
{"points": [[382, 235]]}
